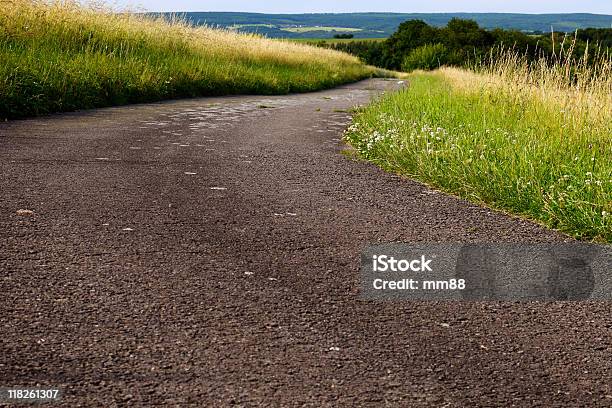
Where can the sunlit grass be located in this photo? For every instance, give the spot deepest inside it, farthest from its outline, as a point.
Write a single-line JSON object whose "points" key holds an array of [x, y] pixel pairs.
{"points": [[532, 139], [60, 56]]}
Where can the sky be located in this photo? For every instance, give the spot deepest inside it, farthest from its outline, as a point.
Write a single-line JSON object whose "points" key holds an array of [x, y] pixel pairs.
{"points": [[345, 6]]}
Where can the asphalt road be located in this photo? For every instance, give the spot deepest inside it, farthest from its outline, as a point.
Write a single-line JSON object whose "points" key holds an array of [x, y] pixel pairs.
{"points": [[206, 252]]}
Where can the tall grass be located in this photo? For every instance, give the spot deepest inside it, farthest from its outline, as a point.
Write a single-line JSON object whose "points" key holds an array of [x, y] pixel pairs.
{"points": [[531, 138], [60, 56], [580, 87]]}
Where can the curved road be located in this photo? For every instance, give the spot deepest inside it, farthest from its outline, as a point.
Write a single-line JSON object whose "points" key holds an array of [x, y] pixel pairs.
{"points": [[206, 252]]}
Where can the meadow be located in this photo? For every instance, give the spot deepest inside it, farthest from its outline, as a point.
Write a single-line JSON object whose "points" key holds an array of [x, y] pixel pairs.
{"points": [[530, 138], [59, 56]]}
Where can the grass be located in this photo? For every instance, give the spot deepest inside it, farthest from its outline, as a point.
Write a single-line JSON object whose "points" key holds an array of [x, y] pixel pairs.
{"points": [[531, 139], [59, 56]]}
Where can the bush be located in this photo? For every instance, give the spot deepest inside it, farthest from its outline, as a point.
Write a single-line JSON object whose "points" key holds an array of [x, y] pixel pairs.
{"points": [[427, 57]]}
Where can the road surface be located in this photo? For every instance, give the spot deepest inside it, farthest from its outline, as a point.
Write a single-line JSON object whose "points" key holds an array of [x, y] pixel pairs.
{"points": [[206, 252]]}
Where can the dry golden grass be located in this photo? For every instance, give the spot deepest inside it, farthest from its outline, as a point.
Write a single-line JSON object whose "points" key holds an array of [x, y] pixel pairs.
{"points": [[582, 91], [69, 18]]}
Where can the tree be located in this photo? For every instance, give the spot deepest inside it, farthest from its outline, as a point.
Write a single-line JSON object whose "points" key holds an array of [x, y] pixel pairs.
{"points": [[466, 40], [410, 35]]}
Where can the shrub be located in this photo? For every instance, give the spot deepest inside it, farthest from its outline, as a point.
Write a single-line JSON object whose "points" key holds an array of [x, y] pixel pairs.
{"points": [[427, 57]]}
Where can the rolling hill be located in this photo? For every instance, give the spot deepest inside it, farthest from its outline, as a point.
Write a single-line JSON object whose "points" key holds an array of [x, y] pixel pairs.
{"points": [[378, 25]]}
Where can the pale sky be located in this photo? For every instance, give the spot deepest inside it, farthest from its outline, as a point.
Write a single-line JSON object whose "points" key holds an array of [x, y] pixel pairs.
{"points": [[339, 6]]}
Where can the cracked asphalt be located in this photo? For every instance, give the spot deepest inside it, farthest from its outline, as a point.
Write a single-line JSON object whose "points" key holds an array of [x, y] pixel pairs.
{"points": [[206, 252]]}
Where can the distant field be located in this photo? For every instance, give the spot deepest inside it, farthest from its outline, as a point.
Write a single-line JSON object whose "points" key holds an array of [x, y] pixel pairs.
{"points": [[239, 26], [317, 28], [335, 40], [62, 57], [376, 25]]}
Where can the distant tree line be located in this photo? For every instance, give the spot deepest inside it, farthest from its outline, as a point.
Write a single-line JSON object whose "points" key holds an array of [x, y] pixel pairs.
{"points": [[417, 45]]}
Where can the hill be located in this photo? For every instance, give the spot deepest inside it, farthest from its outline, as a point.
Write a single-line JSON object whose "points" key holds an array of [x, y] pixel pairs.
{"points": [[377, 25]]}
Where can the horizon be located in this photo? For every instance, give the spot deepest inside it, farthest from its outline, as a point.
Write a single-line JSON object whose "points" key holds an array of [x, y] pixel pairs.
{"points": [[601, 7], [381, 12]]}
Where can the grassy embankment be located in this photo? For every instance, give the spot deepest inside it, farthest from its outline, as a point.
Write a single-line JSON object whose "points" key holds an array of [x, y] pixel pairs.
{"points": [[519, 137], [61, 57]]}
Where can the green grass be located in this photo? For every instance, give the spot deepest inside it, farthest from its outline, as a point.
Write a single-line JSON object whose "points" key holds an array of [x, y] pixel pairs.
{"points": [[60, 56], [511, 151]]}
